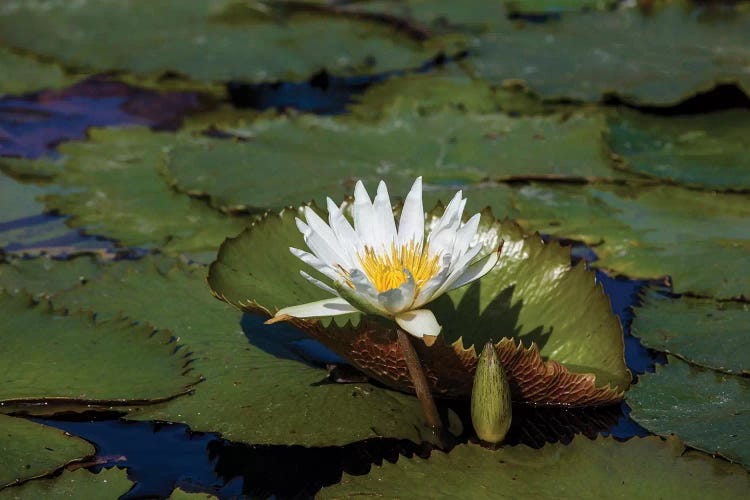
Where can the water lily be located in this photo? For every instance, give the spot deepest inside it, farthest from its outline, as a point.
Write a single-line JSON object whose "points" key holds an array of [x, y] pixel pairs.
{"points": [[378, 268]]}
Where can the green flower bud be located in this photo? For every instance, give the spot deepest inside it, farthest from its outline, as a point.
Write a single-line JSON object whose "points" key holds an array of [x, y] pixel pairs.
{"points": [[490, 398]]}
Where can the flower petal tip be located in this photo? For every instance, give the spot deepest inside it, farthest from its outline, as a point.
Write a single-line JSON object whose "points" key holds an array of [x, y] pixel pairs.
{"points": [[278, 318]]}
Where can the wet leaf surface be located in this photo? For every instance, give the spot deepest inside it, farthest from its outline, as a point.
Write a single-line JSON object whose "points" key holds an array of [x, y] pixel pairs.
{"points": [[699, 239], [43, 347], [701, 331], [529, 297], [584, 467], [110, 483], [707, 409], [29, 450], [23, 74]]}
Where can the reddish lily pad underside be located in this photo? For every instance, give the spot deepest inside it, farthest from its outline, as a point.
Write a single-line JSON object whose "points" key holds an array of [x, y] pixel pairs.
{"points": [[574, 353]]}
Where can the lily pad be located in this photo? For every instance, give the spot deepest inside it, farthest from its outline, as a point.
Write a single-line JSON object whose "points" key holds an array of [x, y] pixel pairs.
{"points": [[582, 469], [529, 296], [108, 483], [44, 277], [215, 40], [701, 331], [707, 409], [120, 194], [447, 148], [29, 450], [248, 394], [700, 239], [42, 349], [707, 150], [22, 74]]}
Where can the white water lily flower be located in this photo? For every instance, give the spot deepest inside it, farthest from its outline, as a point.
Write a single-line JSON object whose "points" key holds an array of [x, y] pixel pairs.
{"points": [[377, 268]]}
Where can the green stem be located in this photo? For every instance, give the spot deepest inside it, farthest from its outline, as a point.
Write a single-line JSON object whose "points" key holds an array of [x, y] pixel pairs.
{"points": [[419, 380]]}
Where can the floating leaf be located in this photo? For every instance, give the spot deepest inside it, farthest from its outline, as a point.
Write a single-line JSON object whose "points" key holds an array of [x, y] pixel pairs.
{"points": [[44, 277], [22, 74], [707, 409], [41, 350], [529, 295], [248, 394], [700, 239], [29, 450], [217, 40], [125, 198], [447, 148], [108, 483], [583, 468], [706, 150], [700, 331]]}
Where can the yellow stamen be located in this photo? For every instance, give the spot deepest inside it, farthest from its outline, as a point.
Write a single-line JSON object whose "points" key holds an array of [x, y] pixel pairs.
{"points": [[387, 270]]}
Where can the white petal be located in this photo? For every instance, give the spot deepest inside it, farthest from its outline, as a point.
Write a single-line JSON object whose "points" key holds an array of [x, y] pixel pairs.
{"points": [[363, 214], [419, 322], [385, 226], [428, 289], [411, 224], [326, 307], [327, 239], [475, 271], [346, 234], [315, 262], [318, 283], [464, 235], [398, 299], [449, 215]]}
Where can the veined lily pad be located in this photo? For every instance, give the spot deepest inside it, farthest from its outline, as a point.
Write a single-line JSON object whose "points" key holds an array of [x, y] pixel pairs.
{"points": [[248, 395], [449, 147], [707, 409], [121, 194], [582, 469], [214, 40], [42, 352], [108, 483], [701, 331], [530, 295], [22, 74], [707, 150], [700, 239], [29, 450]]}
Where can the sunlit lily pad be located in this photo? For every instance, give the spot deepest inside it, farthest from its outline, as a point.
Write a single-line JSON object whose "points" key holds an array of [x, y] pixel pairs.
{"points": [[22, 74], [29, 450], [216, 40], [44, 277], [108, 483], [582, 469], [529, 296], [119, 193], [707, 150], [248, 395], [449, 147], [701, 331], [42, 350], [700, 239], [707, 409]]}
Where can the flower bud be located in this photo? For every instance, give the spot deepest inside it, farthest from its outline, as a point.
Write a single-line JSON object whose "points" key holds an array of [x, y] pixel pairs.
{"points": [[490, 398]]}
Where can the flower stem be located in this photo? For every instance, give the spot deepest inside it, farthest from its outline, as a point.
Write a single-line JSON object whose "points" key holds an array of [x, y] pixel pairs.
{"points": [[419, 380]]}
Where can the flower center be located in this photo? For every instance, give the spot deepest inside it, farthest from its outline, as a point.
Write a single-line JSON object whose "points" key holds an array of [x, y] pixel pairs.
{"points": [[389, 270]]}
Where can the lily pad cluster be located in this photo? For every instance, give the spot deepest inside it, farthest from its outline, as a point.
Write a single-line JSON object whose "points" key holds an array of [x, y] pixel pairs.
{"points": [[511, 104]]}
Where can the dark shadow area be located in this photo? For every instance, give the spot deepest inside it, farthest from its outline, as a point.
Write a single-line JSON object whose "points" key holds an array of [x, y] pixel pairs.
{"points": [[323, 93], [722, 97], [32, 125]]}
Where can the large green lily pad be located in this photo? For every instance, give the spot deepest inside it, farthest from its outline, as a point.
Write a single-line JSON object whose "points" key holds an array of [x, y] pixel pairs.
{"points": [[51, 356], [22, 74], [602, 468], [108, 483], [709, 410], [29, 450], [700, 239], [248, 395], [530, 296], [119, 193], [701, 331], [707, 150], [44, 277], [213, 40], [327, 155]]}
